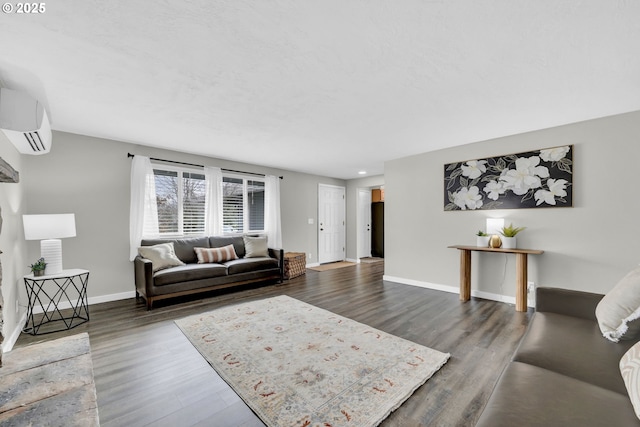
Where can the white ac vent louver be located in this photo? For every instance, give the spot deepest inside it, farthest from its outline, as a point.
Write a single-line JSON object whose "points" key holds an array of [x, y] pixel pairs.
{"points": [[24, 121]]}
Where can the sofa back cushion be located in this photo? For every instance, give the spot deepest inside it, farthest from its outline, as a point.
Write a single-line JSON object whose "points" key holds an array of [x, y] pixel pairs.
{"points": [[184, 247], [236, 241], [573, 347]]}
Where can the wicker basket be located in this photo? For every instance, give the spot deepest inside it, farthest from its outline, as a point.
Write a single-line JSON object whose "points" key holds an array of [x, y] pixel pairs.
{"points": [[294, 264]]}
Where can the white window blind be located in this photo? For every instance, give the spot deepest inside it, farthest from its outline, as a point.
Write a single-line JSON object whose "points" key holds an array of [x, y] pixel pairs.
{"points": [[180, 196], [255, 205], [243, 205]]}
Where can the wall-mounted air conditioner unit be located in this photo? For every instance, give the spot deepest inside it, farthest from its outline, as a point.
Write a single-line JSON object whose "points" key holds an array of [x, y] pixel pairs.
{"points": [[24, 121]]}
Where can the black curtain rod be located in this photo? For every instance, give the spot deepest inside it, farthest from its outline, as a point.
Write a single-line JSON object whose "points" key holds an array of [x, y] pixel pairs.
{"points": [[201, 166]]}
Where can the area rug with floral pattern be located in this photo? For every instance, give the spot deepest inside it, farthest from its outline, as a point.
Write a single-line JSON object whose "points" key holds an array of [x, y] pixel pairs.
{"points": [[295, 364]]}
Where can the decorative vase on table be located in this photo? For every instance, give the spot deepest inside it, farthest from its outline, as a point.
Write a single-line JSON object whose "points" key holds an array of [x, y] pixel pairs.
{"points": [[495, 241], [509, 242], [482, 241], [509, 236]]}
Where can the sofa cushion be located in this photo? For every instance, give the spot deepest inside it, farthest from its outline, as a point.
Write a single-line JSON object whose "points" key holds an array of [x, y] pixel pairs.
{"points": [[630, 370], [161, 256], [216, 255], [236, 241], [186, 273], [619, 310], [245, 265], [255, 247], [528, 395], [184, 248], [573, 347]]}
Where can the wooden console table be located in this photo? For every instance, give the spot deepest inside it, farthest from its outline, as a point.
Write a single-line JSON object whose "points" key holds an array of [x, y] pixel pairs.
{"points": [[521, 271]]}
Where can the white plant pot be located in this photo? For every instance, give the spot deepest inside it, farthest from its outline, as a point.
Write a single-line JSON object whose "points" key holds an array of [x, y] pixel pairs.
{"points": [[482, 241], [509, 242]]}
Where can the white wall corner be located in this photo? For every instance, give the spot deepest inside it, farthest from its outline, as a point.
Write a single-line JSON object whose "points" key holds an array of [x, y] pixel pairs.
{"points": [[10, 341]]}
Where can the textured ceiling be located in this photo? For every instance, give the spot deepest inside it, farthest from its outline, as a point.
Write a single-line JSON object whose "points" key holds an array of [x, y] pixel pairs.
{"points": [[328, 87]]}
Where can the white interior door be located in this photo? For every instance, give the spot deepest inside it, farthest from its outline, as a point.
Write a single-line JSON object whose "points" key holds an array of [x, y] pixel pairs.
{"points": [[364, 223], [331, 223]]}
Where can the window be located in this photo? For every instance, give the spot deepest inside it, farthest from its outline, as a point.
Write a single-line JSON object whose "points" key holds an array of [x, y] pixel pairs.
{"points": [[180, 195], [242, 205]]}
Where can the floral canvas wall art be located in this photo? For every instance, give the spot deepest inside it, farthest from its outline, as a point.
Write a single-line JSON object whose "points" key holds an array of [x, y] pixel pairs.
{"points": [[533, 179]]}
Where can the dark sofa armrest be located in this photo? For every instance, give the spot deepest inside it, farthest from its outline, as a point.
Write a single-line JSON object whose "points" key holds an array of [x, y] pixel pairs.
{"points": [[143, 275], [568, 302], [279, 255]]}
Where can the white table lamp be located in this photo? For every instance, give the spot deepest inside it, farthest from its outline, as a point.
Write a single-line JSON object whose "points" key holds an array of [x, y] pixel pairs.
{"points": [[49, 229], [494, 225]]}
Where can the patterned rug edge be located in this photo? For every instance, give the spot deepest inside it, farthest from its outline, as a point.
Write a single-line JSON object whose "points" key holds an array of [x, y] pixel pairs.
{"points": [[258, 410]]}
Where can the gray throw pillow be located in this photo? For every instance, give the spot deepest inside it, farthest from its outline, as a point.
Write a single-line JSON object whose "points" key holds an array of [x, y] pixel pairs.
{"points": [[162, 256], [255, 247], [619, 310], [630, 371]]}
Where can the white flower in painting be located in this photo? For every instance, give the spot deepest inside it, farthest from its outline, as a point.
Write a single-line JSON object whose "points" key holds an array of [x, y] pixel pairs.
{"points": [[468, 198], [554, 154], [525, 176], [556, 189], [474, 168], [494, 189]]}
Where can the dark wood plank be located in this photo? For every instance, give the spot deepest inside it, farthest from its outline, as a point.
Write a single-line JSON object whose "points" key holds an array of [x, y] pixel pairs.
{"points": [[147, 372]]}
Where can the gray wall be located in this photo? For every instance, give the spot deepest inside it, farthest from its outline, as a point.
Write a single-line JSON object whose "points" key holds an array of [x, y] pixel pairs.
{"points": [[589, 247], [91, 178], [12, 243]]}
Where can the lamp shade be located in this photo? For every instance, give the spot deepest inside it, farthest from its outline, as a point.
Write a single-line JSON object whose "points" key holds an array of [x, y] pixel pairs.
{"points": [[494, 225], [54, 226]]}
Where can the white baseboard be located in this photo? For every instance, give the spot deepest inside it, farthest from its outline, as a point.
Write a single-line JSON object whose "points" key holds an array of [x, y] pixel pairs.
{"points": [[313, 264], [92, 300], [112, 297], [456, 290], [8, 344]]}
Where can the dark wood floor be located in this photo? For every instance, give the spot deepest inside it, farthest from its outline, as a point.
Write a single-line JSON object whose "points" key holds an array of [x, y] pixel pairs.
{"points": [[148, 373]]}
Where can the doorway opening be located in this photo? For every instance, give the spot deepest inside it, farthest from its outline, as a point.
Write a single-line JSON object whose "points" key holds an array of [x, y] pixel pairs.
{"points": [[370, 224]]}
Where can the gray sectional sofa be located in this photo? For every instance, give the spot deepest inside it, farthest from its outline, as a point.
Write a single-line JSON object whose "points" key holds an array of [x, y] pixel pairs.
{"points": [[564, 372], [193, 277]]}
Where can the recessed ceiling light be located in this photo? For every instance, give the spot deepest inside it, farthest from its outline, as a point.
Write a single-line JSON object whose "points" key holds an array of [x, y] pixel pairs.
{"points": [[362, 173]]}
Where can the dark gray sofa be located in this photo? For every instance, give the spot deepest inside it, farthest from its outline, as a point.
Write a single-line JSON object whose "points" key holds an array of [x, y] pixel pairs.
{"points": [[194, 278], [564, 373]]}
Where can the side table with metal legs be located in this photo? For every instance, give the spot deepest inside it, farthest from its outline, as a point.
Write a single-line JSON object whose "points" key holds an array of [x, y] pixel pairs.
{"points": [[54, 294]]}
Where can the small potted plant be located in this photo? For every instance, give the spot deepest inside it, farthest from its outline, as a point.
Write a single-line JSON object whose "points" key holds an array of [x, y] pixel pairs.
{"points": [[482, 239], [509, 232], [37, 268]]}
